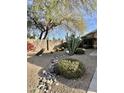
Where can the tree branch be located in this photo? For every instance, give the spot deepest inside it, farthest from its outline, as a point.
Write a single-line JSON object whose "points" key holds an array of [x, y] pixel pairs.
{"points": [[38, 25]]}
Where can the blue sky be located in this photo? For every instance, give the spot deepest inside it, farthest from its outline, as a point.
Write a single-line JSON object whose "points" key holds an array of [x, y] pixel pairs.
{"points": [[91, 25]]}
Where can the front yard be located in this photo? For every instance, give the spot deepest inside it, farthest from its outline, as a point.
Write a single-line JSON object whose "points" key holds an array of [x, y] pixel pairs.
{"points": [[36, 64]]}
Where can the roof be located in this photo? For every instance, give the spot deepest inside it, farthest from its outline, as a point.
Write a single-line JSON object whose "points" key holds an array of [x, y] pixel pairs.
{"points": [[89, 34]]}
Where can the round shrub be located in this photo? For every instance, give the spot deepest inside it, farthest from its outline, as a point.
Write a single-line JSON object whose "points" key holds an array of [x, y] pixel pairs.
{"points": [[70, 68], [79, 51]]}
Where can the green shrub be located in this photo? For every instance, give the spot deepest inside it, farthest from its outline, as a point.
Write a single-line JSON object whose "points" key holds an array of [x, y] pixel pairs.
{"points": [[72, 43], [79, 51], [70, 68]]}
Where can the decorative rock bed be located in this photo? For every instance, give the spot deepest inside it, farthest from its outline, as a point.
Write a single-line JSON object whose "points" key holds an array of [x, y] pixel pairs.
{"points": [[65, 86], [46, 82], [48, 77]]}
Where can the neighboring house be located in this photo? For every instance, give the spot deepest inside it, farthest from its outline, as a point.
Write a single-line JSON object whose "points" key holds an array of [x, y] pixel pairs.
{"points": [[89, 40]]}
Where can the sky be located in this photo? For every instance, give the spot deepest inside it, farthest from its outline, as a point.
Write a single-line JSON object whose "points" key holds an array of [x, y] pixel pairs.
{"points": [[91, 25], [59, 32]]}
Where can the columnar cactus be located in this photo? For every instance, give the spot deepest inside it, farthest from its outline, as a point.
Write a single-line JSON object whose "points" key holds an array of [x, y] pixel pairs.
{"points": [[72, 43]]}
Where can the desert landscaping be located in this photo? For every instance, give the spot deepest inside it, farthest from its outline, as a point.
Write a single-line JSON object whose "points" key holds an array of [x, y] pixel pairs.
{"points": [[61, 46], [36, 64]]}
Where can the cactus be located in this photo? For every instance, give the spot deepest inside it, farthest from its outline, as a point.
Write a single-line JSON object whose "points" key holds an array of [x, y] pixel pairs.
{"points": [[72, 43]]}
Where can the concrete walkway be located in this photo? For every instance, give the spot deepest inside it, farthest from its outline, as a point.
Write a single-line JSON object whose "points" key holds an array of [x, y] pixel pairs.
{"points": [[94, 53], [93, 84]]}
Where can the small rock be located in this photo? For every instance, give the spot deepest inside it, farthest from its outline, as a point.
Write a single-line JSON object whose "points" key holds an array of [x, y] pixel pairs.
{"points": [[56, 60], [48, 81], [56, 57], [52, 60], [44, 79], [57, 84], [40, 83], [41, 86], [47, 87], [84, 49], [47, 91], [46, 84], [50, 87], [44, 72], [40, 80], [51, 82], [48, 77], [61, 56], [54, 80], [67, 51], [44, 90]]}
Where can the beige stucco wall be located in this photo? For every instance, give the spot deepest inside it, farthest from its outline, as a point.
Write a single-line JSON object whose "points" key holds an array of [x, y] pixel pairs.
{"points": [[39, 44]]}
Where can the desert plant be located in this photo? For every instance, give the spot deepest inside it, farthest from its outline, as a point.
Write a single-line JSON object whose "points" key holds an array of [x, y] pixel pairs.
{"points": [[70, 68], [30, 47], [72, 43], [79, 51]]}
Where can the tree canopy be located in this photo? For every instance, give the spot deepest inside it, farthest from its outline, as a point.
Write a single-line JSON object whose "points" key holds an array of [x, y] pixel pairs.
{"points": [[47, 14]]}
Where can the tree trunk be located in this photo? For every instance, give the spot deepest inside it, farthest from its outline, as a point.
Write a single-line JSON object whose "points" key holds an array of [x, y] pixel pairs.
{"points": [[48, 27], [41, 34], [45, 34], [47, 44]]}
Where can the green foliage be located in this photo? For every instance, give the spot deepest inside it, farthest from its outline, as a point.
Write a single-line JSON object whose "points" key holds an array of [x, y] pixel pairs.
{"points": [[60, 12], [70, 68], [72, 43], [89, 5], [31, 36], [79, 51]]}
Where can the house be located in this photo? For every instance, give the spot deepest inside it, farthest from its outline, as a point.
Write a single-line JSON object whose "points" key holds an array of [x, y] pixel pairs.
{"points": [[89, 40]]}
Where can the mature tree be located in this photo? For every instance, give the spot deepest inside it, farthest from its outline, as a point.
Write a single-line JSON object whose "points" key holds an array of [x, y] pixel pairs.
{"points": [[47, 14]]}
